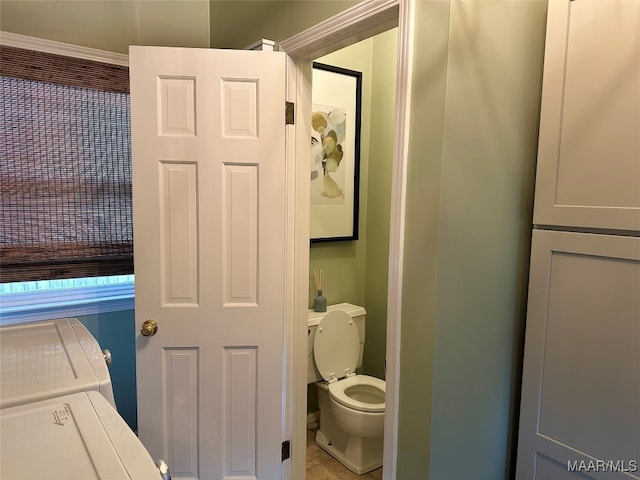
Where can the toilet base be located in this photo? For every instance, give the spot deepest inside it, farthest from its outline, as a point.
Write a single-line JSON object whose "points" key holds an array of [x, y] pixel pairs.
{"points": [[358, 454]]}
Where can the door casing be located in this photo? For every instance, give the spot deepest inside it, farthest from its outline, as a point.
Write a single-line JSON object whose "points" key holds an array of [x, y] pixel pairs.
{"points": [[362, 21]]}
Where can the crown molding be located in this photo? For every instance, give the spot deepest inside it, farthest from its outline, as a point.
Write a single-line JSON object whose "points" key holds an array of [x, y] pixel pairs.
{"points": [[361, 21], [59, 48]]}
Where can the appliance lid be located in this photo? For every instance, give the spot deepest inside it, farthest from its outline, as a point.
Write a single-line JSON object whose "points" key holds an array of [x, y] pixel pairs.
{"points": [[336, 345], [78, 436], [46, 359]]}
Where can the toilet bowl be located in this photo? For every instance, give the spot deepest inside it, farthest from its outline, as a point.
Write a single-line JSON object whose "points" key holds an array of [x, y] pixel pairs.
{"points": [[358, 405], [351, 405]]}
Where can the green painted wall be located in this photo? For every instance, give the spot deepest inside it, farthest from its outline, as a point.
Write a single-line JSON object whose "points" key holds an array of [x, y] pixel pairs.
{"points": [[420, 274], [489, 154], [110, 25], [464, 322], [381, 143], [238, 24]]}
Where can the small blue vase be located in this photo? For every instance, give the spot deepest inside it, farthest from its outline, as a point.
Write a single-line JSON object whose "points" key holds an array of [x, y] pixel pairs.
{"points": [[319, 303]]}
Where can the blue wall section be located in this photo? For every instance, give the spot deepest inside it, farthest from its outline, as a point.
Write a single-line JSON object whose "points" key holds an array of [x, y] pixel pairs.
{"points": [[115, 331]]}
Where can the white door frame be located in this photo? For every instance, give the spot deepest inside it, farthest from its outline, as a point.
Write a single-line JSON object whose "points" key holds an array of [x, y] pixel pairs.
{"points": [[364, 20]]}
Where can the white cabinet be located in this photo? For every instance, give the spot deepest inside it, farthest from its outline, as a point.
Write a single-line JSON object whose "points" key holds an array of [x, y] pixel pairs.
{"points": [[581, 386], [580, 405], [589, 150]]}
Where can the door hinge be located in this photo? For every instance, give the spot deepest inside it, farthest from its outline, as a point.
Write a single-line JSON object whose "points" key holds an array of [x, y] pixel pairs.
{"points": [[286, 450], [289, 113]]}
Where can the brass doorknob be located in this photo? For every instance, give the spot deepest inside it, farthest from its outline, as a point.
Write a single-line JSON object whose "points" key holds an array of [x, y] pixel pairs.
{"points": [[149, 328]]}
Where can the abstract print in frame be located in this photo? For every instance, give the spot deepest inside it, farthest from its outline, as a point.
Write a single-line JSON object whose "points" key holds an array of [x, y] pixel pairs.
{"points": [[335, 153]]}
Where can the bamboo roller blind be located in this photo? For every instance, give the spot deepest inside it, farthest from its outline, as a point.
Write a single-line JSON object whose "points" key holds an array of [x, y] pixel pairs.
{"points": [[65, 167]]}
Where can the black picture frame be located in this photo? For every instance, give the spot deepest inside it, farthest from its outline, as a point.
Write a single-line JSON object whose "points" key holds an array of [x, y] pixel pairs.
{"points": [[335, 157]]}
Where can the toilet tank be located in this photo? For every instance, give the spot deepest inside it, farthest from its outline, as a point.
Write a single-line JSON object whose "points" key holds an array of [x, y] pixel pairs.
{"points": [[357, 313]]}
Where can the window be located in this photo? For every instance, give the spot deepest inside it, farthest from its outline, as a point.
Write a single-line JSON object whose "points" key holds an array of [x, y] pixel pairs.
{"points": [[65, 184], [46, 299]]}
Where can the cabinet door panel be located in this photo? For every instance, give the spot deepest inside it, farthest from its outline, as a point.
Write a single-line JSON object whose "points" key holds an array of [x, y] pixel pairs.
{"points": [[589, 151], [581, 384]]}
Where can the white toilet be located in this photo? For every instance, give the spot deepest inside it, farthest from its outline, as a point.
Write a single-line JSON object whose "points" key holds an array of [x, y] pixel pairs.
{"points": [[351, 405]]}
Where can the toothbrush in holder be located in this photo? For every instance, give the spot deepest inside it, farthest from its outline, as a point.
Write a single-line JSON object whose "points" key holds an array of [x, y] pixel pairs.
{"points": [[319, 301]]}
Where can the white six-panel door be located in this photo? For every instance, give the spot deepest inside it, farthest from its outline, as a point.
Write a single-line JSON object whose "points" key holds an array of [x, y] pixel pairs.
{"points": [[209, 228]]}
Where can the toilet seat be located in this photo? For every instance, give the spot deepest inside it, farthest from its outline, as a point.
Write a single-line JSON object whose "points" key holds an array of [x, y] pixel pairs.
{"points": [[336, 346], [368, 387]]}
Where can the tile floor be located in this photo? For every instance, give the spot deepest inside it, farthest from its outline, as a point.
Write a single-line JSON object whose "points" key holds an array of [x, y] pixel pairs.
{"points": [[322, 466]]}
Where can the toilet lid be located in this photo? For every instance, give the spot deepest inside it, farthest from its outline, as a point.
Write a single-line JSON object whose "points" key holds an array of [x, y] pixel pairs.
{"points": [[336, 345]]}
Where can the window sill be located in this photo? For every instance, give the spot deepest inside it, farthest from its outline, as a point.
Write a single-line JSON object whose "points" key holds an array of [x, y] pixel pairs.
{"points": [[30, 306]]}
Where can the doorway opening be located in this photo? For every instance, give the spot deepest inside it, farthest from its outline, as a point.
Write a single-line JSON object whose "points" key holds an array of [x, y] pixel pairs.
{"points": [[363, 21], [354, 271]]}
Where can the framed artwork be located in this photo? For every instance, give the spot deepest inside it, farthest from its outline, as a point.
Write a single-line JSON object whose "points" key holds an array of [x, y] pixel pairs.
{"points": [[335, 153]]}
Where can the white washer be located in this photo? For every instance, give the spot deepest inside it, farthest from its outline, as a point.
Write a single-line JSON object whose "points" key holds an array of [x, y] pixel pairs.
{"points": [[47, 359], [78, 436]]}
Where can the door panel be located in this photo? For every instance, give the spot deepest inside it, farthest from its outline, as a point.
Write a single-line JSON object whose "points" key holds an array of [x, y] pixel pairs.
{"points": [[240, 210], [178, 234], [209, 237], [581, 390]]}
